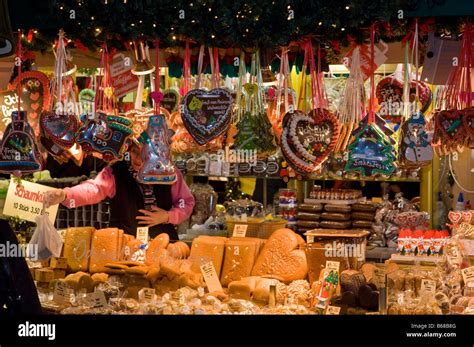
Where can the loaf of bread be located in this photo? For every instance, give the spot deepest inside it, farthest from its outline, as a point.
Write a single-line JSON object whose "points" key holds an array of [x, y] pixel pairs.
{"points": [[306, 224], [364, 207], [207, 248], [310, 208], [178, 250], [363, 215], [80, 281], [308, 216], [335, 216], [107, 246], [282, 257], [337, 208], [243, 288], [239, 259], [326, 224], [153, 251], [77, 248]]}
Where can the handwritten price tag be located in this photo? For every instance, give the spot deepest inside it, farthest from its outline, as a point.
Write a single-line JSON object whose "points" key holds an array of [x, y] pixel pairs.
{"points": [[332, 265], [26, 201], [210, 277], [240, 230], [62, 293], [142, 234], [468, 274], [146, 294], [309, 238], [96, 299], [428, 286], [333, 310]]}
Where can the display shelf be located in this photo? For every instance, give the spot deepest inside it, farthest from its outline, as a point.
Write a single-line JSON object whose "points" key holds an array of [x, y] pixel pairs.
{"points": [[380, 253], [412, 259], [334, 201], [318, 178]]}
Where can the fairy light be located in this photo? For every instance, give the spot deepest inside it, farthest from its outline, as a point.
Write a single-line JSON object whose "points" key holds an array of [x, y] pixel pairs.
{"points": [[174, 37], [216, 17], [210, 9], [213, 36], [133, 24], [61, 7], [320, 23], [141, 21], [125, 1], [154, 25], [347, 7], [92, 18], [35, 31], [342, 29], [193, 21]]}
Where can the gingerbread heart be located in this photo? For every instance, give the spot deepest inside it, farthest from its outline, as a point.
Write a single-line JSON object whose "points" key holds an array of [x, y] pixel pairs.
{"points": [[170, 100], [206, 114], [60, 128], [35, 95], [282, 258], [307, 140], [455, 217]]}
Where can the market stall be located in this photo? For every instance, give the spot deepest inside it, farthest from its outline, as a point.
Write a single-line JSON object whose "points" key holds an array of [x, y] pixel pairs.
{"points": [[358, 157]]}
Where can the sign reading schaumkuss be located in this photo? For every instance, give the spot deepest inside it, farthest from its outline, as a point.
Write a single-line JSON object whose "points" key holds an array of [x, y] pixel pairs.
{"points": [[26, 201]]}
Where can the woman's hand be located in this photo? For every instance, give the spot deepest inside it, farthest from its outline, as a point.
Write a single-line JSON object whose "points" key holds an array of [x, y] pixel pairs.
{"points": [[157, 216], [54, 197]]}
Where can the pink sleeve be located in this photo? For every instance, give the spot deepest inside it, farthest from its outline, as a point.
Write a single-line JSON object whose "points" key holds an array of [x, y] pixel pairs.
{"points": [[183, 201], [91, 192]]}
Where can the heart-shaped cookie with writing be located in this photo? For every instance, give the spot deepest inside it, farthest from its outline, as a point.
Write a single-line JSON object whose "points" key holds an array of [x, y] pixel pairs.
{"points": [[206, 114], [282, 257], [170, 100], [60, 129], [307, 140], [35, 95]]}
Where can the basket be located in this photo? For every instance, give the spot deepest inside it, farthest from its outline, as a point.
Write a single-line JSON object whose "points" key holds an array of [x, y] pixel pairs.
{"points": [[268, 227], [253, 226]]}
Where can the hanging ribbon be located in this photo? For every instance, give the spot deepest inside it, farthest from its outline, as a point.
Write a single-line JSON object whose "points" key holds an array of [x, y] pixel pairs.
{"points": [[371, 117], [242, 72], [199, 70], [186, 69], [302, 91], [19, 59], [215, 70], [157, 78], [104, 98]]}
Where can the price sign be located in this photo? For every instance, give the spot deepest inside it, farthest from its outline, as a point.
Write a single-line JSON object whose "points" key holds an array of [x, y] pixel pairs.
{"points": [[380, 278], [146, 294], [26, 201], [210, 277], [240, 230], [309, 238], [468, 274], [333, 310], [142, 234], [62, 293], [96, 299], [332, 265], [428, 286]]}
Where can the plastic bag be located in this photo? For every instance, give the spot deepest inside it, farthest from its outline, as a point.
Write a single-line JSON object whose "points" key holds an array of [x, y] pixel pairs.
{"points": [[45, 239]]}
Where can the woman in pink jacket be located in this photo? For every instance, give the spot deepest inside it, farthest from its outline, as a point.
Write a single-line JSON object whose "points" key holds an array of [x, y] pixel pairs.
{"points": [[158, 207]]}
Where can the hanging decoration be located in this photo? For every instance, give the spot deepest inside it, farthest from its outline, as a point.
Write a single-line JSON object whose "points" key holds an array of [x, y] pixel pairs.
{"points": [[105, 134], [370, 152], [157, 167], [254, 130], [59, 125], [19, 152], [307, 140], [454, 122], [206, 114], [415, 148]]}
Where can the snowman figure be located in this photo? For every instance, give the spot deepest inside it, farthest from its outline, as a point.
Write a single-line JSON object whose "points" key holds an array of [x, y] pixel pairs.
{"points": [[418, 149]]}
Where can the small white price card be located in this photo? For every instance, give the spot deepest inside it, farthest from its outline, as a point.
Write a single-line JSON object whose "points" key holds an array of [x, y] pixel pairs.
{"points": [[62, 293], [468, 274], [240, 230], [333, 310], [26, 201], [309, 238], [332, 265], [210, 277], [428, 286], [146, 294], [142, 234], [96, 299]]}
